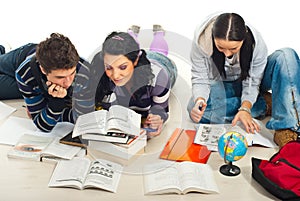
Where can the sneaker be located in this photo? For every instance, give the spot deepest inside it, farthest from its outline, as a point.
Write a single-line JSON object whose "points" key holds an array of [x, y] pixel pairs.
{"points": [[4, 48], [281, 137], [157, 28], [135, 29], [268, 98]]}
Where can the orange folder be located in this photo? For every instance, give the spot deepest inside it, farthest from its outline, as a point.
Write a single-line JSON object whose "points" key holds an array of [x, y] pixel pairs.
{"points": [[181, 147]]}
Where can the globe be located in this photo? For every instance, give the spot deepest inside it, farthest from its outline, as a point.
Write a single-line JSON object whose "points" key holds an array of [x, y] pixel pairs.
{"points": [[232, 146]]}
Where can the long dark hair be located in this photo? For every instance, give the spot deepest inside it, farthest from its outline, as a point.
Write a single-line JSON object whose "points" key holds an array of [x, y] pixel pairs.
{"points": [[121, 43], [231, 26]]}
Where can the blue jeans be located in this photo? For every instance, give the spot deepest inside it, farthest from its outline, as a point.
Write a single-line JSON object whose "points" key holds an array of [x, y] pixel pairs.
{"points": [[280, 76], [166, 63], [9, 63]]}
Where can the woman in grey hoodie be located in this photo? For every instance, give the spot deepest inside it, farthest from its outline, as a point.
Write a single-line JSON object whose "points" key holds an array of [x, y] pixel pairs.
{"points": [[232, 73]]}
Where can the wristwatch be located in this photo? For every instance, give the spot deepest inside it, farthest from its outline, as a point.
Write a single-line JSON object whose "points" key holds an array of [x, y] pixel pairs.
{"points": [[245, 109]]}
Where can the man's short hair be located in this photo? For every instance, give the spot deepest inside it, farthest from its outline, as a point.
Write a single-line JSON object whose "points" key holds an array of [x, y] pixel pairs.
{"points": [[56, 52]]}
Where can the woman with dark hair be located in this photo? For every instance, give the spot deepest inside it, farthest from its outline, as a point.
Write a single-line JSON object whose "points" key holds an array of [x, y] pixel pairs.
{"points": [[135, 78], [232, 75]]}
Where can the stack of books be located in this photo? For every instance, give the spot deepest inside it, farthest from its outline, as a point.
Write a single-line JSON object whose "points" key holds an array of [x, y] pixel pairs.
{"points": [[116, 131], [135, 145]]}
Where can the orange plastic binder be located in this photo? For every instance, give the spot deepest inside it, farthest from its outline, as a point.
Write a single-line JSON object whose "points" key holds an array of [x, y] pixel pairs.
{"points": [[181, 147]]}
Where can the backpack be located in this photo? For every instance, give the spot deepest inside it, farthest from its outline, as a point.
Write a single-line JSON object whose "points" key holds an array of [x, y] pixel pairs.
{"points": [[281, 174]]}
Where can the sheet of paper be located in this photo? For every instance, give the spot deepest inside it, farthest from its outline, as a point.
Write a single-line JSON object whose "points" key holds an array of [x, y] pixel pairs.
{"points": [[5, 111], [14, 127]]}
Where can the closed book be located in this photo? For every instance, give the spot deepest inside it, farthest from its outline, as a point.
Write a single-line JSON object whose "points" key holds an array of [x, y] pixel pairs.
{"points": [[109, 137], [124, 151], [181, 147]]}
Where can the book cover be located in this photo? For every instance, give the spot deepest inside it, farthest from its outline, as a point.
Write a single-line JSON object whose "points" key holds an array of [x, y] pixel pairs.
{"points": [[181, 147]]}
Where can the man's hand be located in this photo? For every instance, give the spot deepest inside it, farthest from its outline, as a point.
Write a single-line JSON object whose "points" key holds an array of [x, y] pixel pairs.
{"points": [[56, 90]]}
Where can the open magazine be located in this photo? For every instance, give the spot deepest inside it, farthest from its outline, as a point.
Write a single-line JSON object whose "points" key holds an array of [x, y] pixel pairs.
{"points": [[208, 134]]}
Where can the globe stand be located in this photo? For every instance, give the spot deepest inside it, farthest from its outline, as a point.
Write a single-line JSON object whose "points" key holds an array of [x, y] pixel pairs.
{"points": [[230, 169]]}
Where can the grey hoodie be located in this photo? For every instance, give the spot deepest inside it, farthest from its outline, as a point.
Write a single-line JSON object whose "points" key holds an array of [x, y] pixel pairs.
{"points": [[204, 70]]}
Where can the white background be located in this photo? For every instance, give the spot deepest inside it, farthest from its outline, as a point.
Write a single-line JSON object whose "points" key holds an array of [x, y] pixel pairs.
{"points": [[88, 22]]}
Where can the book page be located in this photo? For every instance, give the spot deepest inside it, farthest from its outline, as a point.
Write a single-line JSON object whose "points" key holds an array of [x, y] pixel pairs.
{"points": [[30, 147], [94, 122], [59, 150], [104, 174], [196, 177], [70, 173], [208, 134], [161, 178], [123, 120]]}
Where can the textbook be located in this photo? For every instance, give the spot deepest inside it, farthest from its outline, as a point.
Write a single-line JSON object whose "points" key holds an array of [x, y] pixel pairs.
{"points": [[181, 147], [112, 125], [208, 134], [38, 148], [179, 177], [134, 146], [82, 173]]}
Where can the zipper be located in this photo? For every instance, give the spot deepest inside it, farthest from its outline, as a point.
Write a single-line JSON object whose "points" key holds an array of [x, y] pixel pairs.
{"points": [[294, 104], [288, 163]]}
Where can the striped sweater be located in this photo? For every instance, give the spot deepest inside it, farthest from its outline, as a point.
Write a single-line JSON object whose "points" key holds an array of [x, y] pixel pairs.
{"points": [[46, 110]]}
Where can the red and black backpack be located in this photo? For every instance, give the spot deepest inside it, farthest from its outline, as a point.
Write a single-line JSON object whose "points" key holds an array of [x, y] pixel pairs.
{"points": [[281, 174]]}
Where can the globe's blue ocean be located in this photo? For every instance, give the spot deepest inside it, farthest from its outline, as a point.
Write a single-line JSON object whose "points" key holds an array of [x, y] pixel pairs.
{"points": [[233, 144]]}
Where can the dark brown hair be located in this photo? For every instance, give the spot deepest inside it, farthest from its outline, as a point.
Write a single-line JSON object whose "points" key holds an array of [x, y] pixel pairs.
{"points": [[56, 52]]}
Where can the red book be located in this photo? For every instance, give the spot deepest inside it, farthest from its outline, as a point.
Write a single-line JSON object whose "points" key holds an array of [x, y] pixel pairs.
{"points": [[181, 147]]}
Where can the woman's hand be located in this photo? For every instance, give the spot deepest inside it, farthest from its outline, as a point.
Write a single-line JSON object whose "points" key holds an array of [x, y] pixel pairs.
{"points": [[55, 90], [155, 123], [246, 119], [198, 110]]}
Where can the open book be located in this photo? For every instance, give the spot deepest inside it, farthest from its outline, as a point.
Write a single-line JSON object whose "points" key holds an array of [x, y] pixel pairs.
{"points": [[208, 134], [37, 148], [81, 173], [179, 177], [103, 125]]}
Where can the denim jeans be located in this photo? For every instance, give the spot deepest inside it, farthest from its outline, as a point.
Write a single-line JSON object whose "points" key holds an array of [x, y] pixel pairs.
{"points": [[166, 63], [280, 76], [9, 63]]}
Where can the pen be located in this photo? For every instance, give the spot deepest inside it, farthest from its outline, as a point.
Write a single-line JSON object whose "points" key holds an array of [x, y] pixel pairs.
{"points": [[150, 129]]}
